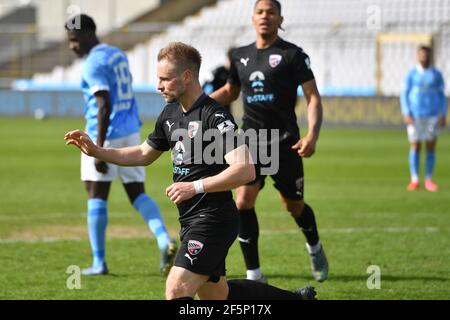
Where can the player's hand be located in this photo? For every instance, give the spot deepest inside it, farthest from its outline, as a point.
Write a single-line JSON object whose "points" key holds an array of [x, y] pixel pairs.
{"points": [[82, 141], [408, 120], [306, 146], [442, 122], [180, 191], [101, 166]]}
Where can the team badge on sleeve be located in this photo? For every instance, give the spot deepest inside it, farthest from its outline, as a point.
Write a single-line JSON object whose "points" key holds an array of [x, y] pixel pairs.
{"points": [[194, 247], [308, 63], [226, 126], [275, 60]]}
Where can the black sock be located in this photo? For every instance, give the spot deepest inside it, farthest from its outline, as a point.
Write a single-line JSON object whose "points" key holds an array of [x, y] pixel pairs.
{"points": [[307, 222], [248, 237], [241, 289]]}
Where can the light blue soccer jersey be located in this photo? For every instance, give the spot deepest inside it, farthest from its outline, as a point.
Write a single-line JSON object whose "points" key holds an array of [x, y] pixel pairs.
{"points": [[106, 69], [423, 93]]}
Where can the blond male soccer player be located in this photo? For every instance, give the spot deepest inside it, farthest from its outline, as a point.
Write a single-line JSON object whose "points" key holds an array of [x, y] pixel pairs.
{"points": [[201, 188]]}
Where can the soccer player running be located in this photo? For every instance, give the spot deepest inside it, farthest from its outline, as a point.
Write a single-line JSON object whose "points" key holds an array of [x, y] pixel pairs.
{"points": [[201, 188], [269, 73], [112, 121], [424, 108]]}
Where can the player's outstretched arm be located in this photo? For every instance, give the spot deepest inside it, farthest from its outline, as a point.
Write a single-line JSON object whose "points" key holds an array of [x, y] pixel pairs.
{"points": [[142, 155], [306, 147], [240, 171]]}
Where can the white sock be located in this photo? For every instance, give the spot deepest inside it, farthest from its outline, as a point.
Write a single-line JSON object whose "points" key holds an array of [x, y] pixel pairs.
{"points": [[313, 249], [254, 274], [414, 179]]}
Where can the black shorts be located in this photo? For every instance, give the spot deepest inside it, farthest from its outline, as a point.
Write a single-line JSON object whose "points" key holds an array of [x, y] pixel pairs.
{"points": [[289, 179], [206, 239]]}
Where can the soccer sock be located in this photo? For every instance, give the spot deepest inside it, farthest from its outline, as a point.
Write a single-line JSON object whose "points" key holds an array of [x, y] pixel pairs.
{"points": [[430, 161], [150, 213], [307, 223], [248, 237], [254, 274], [253, 290], [97, 222], [414, 161]]}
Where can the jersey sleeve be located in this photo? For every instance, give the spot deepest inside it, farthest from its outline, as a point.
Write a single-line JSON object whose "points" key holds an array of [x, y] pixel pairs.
{"points": [[404, 96], [95, 74], [301, 64], [233, 77], [221, 120], [441, 92], [157, 139]]}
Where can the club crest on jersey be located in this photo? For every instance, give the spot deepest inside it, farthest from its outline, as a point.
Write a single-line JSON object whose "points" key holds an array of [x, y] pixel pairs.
{"points": [[274, 60], [193, 128], [194, 247]]}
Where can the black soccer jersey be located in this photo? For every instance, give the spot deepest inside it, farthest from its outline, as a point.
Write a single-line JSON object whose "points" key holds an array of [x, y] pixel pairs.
{"points": [[269, 79], [184, 134]]}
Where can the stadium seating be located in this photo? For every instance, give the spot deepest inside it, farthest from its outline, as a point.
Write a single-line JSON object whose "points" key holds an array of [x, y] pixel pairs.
{"points": [[335, 34]]}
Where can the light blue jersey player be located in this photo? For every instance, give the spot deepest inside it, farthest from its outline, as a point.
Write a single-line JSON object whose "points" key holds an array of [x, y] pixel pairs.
{"points": [[112, 121], [106, 69], [424, 108]]}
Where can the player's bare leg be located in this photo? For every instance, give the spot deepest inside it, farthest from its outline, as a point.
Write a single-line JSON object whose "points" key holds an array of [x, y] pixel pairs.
{"points": [[97, 189], [305, 219], [183, 284], [249, 229]]}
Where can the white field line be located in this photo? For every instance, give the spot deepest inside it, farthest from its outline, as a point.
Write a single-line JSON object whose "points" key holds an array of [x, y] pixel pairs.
{"points": [[263, 232]]}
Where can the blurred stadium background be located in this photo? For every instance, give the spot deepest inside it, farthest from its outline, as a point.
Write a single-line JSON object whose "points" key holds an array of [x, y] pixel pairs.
{"points": [[360, 52], [359, 48]]}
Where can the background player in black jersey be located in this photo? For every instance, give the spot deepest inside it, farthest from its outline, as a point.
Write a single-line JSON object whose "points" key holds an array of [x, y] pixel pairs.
{"points": [[220, 78], [208, 214], [269, 72]]}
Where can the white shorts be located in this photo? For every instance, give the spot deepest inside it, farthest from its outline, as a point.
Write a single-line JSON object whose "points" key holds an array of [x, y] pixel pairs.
{"points": [[126, 174], [423, 129]]}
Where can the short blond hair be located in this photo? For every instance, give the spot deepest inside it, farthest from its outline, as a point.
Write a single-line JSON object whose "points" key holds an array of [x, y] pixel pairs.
{"points": [[184, 56]]}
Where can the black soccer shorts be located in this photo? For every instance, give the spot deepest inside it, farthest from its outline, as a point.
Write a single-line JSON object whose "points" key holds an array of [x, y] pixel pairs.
{"points": [[289, 180], [205, 241]]}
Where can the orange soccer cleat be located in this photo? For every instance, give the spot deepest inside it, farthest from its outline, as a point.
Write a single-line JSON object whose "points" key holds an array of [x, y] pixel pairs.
{"points": [[413, 186]]}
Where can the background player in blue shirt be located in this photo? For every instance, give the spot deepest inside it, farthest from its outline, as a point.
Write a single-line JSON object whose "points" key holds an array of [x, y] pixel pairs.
{"points": [[111, 120], [424, 108]]}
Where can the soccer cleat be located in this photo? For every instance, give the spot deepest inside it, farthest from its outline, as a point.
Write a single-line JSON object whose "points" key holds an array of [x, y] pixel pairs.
{"points": [[306, 293], [167, 257], [319, 265], [431, 186], [412, 186], [96, 271]]}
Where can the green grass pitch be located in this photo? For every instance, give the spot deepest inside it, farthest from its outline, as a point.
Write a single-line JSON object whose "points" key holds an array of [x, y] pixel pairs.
{"points": [[355, 183]]}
